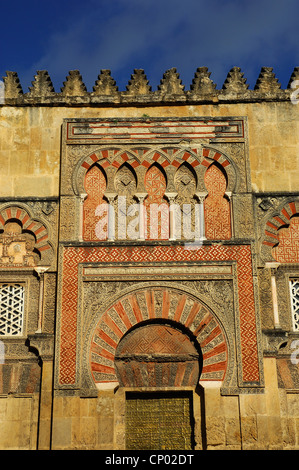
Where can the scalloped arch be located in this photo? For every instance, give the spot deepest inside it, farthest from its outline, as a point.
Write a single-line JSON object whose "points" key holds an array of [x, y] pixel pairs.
{"points": [[211, 155]]}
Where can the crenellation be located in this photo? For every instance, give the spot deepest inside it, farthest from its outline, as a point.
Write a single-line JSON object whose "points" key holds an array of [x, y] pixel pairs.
{"points": [[235, 83], [13, 88], [42, 85], [267, 82], [202, 86], [138, 90], [74, 86], [105, 84], [138, 85]]}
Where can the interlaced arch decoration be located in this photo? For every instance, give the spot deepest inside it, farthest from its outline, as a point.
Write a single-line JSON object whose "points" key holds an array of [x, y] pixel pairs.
{"points": [[139, 156], [152, 305], [142, 161]]}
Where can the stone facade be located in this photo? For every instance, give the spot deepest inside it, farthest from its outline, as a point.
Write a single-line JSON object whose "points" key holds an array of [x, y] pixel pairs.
{"points": [[149, 264]]}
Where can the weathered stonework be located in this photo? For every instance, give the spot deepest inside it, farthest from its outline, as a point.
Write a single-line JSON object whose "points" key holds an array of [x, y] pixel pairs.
{"points": [[149, 258]]}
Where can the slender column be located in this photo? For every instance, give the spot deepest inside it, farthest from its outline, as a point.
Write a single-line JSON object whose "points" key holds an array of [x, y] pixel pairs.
{"points": [[40, 270], [141, 197], [173, 232], [273, 269], [228, 194], [111, 216], [200, 196], [83, 196]]}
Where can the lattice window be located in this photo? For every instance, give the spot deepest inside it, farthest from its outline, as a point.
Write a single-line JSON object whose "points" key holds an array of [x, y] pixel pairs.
{"points": [[294, 290], [11, 309]]}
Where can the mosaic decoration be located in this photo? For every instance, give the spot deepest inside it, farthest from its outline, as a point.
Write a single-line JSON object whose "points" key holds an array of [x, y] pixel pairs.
{"points": [[73, 256], [95, 185], [216, 206]]}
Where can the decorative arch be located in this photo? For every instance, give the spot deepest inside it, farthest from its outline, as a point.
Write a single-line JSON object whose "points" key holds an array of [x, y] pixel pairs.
{"points": [[216, 205], [281, 233], [109, 157], [158, 305], [136, 156], [125, 180], [24, 241], [156, 206], [95, 185], [185, 181], [211, 155]]}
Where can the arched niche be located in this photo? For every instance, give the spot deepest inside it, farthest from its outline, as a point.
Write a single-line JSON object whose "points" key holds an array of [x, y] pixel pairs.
{"points": [[95, 183], [216, 205]]}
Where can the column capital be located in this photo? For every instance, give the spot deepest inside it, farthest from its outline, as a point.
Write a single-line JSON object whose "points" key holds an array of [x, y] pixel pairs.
{"points": [[171, 196]]}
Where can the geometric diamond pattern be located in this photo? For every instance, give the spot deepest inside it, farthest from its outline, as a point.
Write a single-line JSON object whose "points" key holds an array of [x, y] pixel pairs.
{"points": [[11, 309]]}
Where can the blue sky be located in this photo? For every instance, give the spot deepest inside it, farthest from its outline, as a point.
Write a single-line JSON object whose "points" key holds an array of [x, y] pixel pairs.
{"points": [[154, 35]]}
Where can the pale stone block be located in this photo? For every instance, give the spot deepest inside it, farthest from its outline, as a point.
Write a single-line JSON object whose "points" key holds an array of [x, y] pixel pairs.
{"points": [[215, 431], [33, 186], [212, 401], [252, 405], [61, 433], [249, 430], [71, 406], [293, 405], [105, 430], [88, 432], [232, 431]]}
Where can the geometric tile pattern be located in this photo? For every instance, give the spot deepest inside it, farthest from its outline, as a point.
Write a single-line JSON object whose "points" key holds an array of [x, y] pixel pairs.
{"points": [[11, 309], [216, 207], [73, 256]]}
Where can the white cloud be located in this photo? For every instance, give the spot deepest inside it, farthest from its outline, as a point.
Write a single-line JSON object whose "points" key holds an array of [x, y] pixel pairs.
{"points": [[159, 34]]}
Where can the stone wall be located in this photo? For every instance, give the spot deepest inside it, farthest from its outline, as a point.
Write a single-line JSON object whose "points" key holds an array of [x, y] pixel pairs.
{"points": [[98, 313]]}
